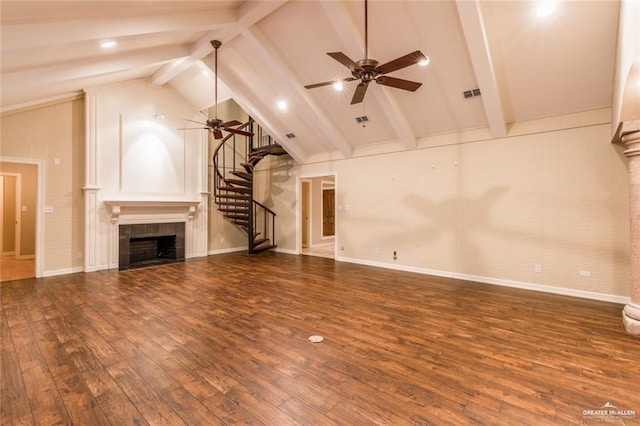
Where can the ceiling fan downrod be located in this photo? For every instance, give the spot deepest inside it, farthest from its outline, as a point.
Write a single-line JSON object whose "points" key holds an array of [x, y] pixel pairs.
{"points": [[366, 30], [216, 45]]}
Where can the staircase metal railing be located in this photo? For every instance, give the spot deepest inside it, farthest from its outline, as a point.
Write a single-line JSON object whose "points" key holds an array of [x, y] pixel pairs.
{"points": [[240, 154]]}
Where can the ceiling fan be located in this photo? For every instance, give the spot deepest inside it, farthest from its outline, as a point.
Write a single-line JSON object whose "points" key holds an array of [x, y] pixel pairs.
{"points": [[215, 124], [367, 70]]}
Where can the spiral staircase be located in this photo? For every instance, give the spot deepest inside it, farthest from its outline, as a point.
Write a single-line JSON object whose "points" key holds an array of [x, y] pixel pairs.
{"points": [[234, 161]]}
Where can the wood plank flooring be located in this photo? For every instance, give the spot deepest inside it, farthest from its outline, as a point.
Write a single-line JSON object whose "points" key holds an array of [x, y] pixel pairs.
{"points": [[223, 340], [16, 269]]}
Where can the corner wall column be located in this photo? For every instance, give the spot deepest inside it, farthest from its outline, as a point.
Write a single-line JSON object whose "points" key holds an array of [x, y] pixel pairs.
{"points": [[629, 135]]}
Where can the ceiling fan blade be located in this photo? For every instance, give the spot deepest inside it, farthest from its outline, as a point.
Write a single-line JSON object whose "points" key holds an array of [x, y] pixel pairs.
{"points": [[231, 123], [313, 86], [193, 121], [344, 60], [358, 95], [329, 83], [193, 128], [398, 83], [217, 134], [239, 132], [401, 62]]}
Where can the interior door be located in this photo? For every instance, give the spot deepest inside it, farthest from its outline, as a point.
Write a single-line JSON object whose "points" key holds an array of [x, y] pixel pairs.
{"points": [[305, 213], [328, 212]]}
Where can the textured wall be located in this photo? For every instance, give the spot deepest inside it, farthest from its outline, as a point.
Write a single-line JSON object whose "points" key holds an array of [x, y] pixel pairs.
{"points": [[54, 131], [491, 208]]}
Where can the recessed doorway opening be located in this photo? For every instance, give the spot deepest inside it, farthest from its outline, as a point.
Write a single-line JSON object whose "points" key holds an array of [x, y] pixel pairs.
{"points": [[318, 221]]}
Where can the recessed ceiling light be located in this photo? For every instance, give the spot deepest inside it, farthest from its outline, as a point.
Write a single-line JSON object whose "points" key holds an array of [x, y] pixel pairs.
{"points": [[282, 105], [546, 8], [108, 44], [424, 62], [338, 86], [204, 68]]}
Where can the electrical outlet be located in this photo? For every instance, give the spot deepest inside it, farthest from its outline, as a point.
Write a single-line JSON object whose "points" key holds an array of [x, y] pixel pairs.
{"points": [[537, 268], [395, 255]]}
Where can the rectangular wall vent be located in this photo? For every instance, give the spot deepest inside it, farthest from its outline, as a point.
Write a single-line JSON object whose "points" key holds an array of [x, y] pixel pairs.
{"points": [[468, 94]]}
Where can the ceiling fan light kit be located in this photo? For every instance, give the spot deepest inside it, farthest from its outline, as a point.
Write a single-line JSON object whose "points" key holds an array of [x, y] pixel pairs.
{"points": [[367, 70], [216, 125]]}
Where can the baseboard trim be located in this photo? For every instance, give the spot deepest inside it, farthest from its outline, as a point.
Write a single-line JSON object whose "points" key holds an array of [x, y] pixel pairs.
{"points": [[286, 251], [62, 271], [603, 297], [227, 250]]}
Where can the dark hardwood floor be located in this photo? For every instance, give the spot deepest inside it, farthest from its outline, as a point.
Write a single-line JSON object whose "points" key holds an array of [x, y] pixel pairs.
{"points": [[223, 340]]}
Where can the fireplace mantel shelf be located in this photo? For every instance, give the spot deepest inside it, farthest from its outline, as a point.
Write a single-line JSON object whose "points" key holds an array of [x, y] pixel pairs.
{"points": [[116, 206], [151, 203]]}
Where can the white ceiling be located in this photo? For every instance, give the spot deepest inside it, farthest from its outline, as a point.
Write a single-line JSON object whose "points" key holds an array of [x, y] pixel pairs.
{"points": [[526, 67]]}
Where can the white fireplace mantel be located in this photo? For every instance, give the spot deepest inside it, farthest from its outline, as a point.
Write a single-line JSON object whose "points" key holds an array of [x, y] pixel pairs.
{"points": [[150, 207], [129, 212]]}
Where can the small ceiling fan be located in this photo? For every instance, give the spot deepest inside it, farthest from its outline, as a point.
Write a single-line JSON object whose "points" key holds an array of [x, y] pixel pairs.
{"points": [[367, 70], [215, 124]]}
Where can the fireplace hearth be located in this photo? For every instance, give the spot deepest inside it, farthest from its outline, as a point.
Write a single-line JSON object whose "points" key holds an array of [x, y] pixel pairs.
{"points": [[150, 244]]}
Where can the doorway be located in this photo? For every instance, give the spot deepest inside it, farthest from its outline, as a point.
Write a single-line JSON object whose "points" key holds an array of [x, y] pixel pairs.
{"points": [[317, 218], [306, 187], [19, 195]]}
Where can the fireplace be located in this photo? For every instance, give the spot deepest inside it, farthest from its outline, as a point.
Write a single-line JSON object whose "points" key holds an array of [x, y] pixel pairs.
{"points": [[150, 244]]}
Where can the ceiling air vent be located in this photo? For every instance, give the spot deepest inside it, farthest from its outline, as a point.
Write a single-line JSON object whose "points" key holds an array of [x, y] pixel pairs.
{"points": [[290, 135], [468, 94], [362, 119]]}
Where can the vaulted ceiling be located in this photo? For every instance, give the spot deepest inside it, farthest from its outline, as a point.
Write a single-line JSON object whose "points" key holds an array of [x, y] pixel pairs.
{"points": [[526, 67]]}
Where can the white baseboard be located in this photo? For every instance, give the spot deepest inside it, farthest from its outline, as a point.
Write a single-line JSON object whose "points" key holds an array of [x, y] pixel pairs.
{"points": [[62, 271], [227, 250], [286, 251], [494, 281]]}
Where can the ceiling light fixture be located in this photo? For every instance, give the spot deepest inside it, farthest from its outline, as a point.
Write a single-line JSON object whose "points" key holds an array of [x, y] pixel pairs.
{"points": [[424, 62], [282, 105], [204, 68], [546, 8], [338, 86], [108, 44]]}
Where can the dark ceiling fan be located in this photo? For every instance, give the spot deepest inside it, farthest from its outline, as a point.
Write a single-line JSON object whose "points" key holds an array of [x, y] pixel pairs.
{"points": [[367, 70], [215, 124]]}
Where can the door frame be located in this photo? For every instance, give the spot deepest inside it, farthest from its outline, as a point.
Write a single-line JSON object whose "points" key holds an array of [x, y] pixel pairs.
{"points": [[17, 200], [39, 261], [300, 178]]}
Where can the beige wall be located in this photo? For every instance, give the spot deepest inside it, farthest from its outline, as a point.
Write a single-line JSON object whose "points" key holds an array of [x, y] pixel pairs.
{"points": [[53, 131], [491, 208]]}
